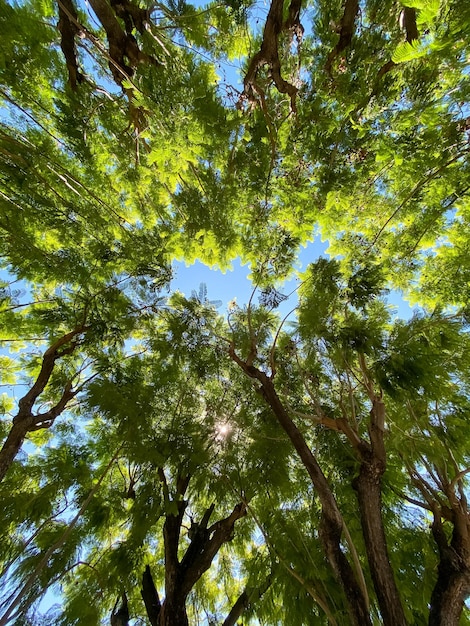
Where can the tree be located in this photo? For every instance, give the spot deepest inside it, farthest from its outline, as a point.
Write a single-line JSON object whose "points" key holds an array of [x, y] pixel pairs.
{"points": [[166, 464]]}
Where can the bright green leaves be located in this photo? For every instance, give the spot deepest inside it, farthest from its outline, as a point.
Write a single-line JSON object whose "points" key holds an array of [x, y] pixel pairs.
{"points": [[408, 52], [427, 9]]}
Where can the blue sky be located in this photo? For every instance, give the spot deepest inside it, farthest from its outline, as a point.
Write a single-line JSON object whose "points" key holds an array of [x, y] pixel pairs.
{"points": [[236, 284]]}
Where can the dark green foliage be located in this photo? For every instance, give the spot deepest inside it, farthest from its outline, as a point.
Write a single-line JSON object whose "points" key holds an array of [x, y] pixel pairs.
{"points": [[156, 415]]}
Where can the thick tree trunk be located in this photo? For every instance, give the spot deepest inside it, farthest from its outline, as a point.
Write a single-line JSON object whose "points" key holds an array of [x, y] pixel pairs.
{"points": [[448, 596], [453, 580], [369, 495], [182, 575], [173, 612]]}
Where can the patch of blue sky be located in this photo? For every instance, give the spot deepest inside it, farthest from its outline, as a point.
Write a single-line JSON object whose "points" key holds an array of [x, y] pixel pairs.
{"points": [[235, 285]]}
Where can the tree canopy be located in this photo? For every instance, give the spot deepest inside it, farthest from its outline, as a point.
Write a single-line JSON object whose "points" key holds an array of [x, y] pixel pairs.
{"points": [[296, 459]]}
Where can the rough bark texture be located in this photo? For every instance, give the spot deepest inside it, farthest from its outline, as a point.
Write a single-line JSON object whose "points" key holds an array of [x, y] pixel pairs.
{"points": [[369, 495], [368, 486], [346, 31], [453, 578], [150, 597], [269, 51], [121, 45], [25, 421], [124, 53], [68, 29], [331, 527]]}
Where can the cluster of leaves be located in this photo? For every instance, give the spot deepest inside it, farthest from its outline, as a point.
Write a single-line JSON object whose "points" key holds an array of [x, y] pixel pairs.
{"points": [[146, 437]]}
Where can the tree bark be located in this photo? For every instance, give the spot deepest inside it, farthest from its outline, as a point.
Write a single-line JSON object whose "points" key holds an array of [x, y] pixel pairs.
{"points": [[331, 527], [13, 443], [409, 24], [121, 44], [181, 576], [25, 421], [269, 51], [68, 29], [120, 616], [150, 597], [368, 486], [346, 31], [244, 600], [369, 496], [453, 580]]}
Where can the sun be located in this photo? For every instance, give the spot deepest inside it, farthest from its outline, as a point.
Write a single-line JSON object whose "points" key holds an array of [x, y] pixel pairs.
{"points": [[222, 430]]}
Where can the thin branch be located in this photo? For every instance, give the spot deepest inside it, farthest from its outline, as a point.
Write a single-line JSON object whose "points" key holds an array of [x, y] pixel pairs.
{"points": [[57, 544], [273, 347]]}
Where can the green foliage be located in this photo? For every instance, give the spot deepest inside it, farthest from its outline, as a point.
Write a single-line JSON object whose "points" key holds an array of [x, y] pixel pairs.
{"points": [[108, 178]]}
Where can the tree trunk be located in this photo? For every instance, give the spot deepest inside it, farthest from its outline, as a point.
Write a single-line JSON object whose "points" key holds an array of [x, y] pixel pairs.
{"points": [[150, 597], [453, 579], [25, 421], [332, 522], [13, 443], [368, 486], [369, 495], [173, 612], [448, 596]]}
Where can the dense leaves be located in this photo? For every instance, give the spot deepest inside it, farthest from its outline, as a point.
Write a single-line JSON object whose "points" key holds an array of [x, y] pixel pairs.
{"points": [[167, 463]]}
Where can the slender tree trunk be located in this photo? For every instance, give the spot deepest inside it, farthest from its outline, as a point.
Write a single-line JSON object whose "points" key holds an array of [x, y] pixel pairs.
{"points": [[331, 528], [150, 597], [25, 421], [247, 597]]}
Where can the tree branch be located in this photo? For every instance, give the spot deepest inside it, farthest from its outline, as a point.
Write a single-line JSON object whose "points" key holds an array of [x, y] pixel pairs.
{"points": [[150, 597], [245, 600], [205, 545], [346, 31], [269, 52]]}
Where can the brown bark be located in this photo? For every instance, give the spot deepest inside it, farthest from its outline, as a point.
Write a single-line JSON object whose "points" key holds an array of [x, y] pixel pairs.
{"points": [[346, 31], [269, 51], [121, 45], [331, 527], [409, 24], [25, 421], [245, 599], [453, 579], [151, 598], [68, 29], [181, 576], [132, 15], [369, 495], [368, 486]]}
